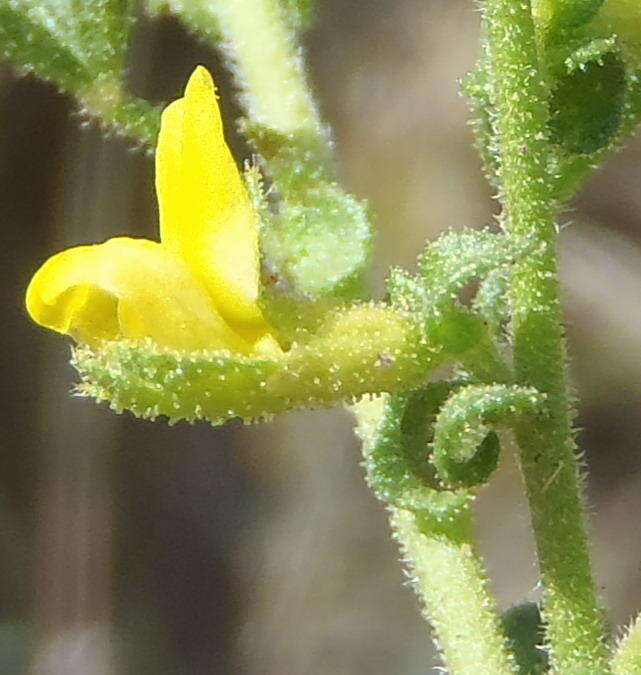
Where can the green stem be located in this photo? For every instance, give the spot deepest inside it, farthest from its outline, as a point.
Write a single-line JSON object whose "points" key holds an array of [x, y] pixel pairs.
{"points": [[549, 463], [449, 578], [267, 64]]}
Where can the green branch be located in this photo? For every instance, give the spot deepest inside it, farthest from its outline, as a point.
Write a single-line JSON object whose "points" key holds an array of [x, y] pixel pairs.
{"points": [[80, 48], [549, 462]]}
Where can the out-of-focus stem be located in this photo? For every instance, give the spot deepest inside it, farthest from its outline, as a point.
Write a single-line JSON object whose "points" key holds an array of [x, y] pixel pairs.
{"points": [[267, 63], [262, 51]]}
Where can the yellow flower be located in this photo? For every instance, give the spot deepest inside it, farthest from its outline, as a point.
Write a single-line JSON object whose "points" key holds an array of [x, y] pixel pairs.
{"points": [[196, 289]]}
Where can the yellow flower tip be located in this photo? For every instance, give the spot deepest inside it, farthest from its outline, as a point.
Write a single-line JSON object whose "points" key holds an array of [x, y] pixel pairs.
{"points": [[199, 288], [200, 83]]}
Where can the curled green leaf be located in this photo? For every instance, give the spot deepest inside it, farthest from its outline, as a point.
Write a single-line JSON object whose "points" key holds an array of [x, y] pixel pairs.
{"points": [[465, 448], [398, 469], [591, 52], [448, 265], [33, 45], [491, 300], [623, 19], [458, 332], [456, 258], [396, 431]]}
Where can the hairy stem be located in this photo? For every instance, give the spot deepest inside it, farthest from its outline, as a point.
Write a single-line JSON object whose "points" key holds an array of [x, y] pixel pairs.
{"points": [[436, 540], [549, 463], [449, 578], [267, 64]]}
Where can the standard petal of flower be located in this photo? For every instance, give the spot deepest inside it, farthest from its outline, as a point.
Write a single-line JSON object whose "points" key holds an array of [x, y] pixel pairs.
{"points": [[128, 288], [206, 215]]}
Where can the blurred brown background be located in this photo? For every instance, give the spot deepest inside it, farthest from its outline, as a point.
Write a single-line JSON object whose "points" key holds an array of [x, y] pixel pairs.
{"points": [[131, 547]]}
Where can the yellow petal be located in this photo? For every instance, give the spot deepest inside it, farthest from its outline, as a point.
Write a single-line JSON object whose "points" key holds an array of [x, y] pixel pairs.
{"points": [[206, 215], [128, 288], [168, 172]]}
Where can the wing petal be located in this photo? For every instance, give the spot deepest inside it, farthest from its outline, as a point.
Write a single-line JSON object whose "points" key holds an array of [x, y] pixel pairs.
{"points": [[128, 288]]}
